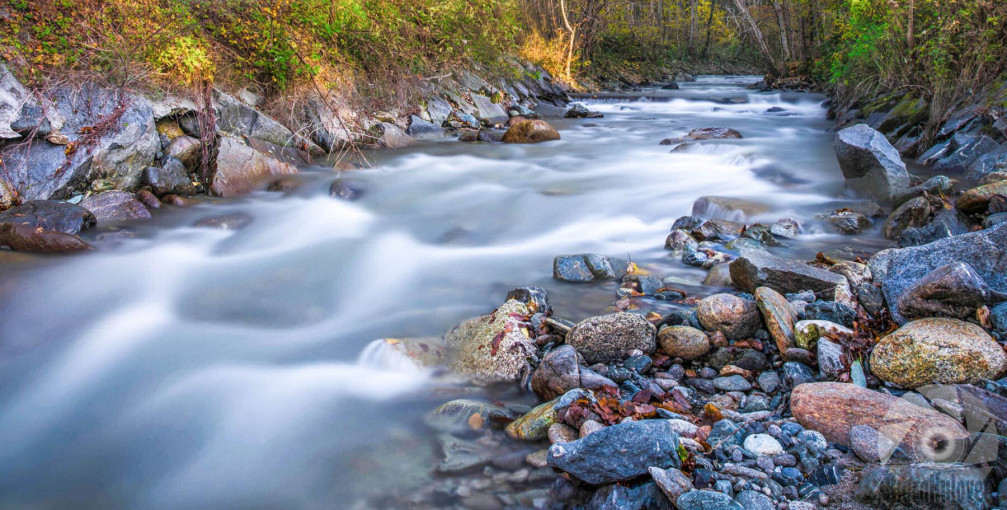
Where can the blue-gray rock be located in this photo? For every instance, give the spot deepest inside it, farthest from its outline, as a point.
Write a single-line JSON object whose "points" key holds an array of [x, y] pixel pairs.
{"points": [[732, 383], [706, 500], [796, 374], [946, 223], [870, 163], [617, 453], [769, 382], [832, 311], [965, 150], [170, 178], [620, 497], [985, 251], [419, 128], [998, 316], [724, 432], [754, 500], [994, 161], [586, 267], [937, 185], [947, 486], [954, 290]]}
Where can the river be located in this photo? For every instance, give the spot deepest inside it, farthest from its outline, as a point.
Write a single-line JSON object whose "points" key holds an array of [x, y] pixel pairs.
{"points": [[197, 368]]}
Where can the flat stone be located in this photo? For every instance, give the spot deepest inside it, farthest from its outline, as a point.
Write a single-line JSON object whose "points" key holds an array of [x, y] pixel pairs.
{"points": [[835, 408], [778, 316], [732, 383], [937, 350], [534, 426], [587, 267], [241, 169], [757, 268]]}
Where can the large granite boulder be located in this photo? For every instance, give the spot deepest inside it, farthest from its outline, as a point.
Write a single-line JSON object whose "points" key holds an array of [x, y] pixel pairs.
{"points": [[938, 350], [898, 269], [870, 164]]}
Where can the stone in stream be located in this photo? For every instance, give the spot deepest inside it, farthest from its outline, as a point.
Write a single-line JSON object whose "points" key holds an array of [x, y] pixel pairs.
{"points": [[461, 455], [946, 223], [926, 485], [937, 350], [530, 131], [340, 188], [617, 453], [936, 185], [757, 268], [26, 238], [848, 222], [778, 316], [646, 496], [170, 178], [912, 214], [706, 500], [415, 353], [494, 347], [186, 150], [870, 164], [112, 206], [240, 168], [534, 426], [834, 409], [954, 290], [236, 221], [466, 417], [727, 208], [672, 482], [985, 251], [683, 342], [587, 267], [976, 199], [50, 215], [558, 373], [736, 318]]}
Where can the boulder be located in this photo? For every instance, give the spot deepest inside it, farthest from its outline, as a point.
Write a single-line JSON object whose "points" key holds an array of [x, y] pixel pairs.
{"points": [[65, 162], [50, 215], [899, 269], [757, 268], [391, 136], [937, 185], [951, 486], [735, 317], [241, 169], [607, 338], [170, 178], [530, 131], [240, 119], [714, 133], [618, 453], [835, 408], [946, 223], [419, 128], [912, 214], [487, 109], [494, 347], [778, 316], [186, 149], [954, 290], [870, 164], [24, 237], [112, 206], [683, 342], [937, 350]]}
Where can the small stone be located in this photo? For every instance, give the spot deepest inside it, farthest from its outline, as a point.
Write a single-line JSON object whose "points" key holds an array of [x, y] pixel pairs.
{"points": [[732, 383], [706, 500], [683, 342], [672, 482], [561, 433], [608, 338], [736, 318], [779, 317], [763, 444], [769, 382]]}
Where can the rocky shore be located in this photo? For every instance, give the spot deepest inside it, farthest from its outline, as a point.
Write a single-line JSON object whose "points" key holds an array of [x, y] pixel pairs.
{"points": [[111, 155], [855, 380]]}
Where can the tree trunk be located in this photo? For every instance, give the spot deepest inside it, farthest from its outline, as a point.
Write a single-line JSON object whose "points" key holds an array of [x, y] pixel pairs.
{"points": [[909, 32], [782, 25], [760, 41], [709, 27], [573, 38]]}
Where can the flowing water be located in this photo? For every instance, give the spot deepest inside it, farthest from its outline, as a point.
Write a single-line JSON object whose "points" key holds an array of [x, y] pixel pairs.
{"points": [[187, 367]]}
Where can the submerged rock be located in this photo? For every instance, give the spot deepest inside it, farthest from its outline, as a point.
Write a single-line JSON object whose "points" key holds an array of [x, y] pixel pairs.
{"points": [[870, 164], [26, 238], [617, 453], [937, 350], [607, 338]]}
